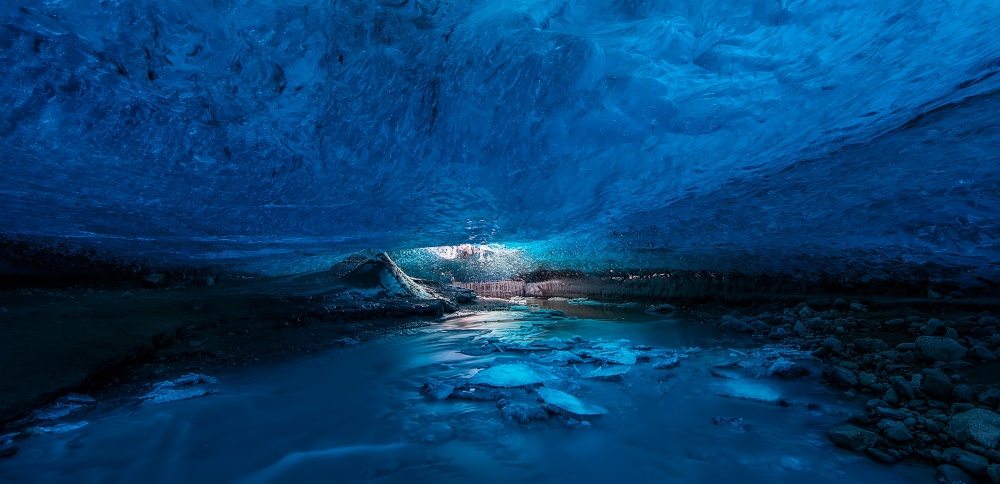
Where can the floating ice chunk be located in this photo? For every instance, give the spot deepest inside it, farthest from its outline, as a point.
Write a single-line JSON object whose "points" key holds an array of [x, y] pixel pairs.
{"points": [[569, 403], [582, 301], [561, 358], [519, 301], [609, 373], [555, 343], [668, 363], [189, 386], [511, 375], [748, 390], [519, 307], [621, 356]]}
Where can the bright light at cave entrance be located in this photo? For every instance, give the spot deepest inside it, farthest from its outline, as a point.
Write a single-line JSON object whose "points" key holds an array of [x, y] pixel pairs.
{"points": [[489, 252]]}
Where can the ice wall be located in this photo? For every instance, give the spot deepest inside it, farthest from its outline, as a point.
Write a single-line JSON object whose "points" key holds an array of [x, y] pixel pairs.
{"points": [[753, 134]]}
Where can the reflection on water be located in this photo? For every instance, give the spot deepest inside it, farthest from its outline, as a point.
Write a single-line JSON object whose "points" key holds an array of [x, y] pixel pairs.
{"points": [[356, 414]]}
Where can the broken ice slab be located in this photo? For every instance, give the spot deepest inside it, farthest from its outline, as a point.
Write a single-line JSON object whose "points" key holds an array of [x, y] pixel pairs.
{"points": [[560, 358], [518, 307], [667, 363], [569, 403], [609, 373], [191, 385], [511, 375], [555, 343], [620, 356], [748, 390]]}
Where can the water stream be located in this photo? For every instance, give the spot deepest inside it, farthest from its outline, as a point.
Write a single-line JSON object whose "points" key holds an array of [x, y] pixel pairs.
{"points": [[356, 414]]}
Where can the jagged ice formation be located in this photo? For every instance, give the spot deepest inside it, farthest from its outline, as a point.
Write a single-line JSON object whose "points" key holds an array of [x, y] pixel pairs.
{"points": [[276, 135]]}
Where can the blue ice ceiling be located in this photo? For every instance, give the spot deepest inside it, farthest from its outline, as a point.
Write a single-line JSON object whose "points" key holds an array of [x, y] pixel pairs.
{"points": [[750, 134]]}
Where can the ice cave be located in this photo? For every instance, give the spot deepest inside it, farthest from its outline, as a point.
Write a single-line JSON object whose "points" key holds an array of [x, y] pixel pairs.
{"points": [[432, 241]]}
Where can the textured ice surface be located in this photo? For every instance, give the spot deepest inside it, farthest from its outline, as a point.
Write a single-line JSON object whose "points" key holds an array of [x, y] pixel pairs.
{"points": [[711, 133], [509, 376], [569, 403]]}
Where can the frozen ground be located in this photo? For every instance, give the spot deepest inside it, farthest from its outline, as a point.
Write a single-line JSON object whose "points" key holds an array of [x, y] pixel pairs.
{"points": [[357, 413]]}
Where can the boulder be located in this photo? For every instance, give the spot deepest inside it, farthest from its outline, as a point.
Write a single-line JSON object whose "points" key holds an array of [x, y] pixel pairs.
{"points": [[854, 438], [947, 474], [937, 385], [843, 377], [977, 426], [870, 345], [937, 348]]}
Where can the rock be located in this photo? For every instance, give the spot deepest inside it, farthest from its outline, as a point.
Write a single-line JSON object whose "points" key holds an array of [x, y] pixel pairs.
{"points": [[787, 370], [661, 309], [963, 393], [937, 385], [993, 473], [126, 295], [209, 281], [898, 433], [933, 327], [510, 375], [938, 348], [854, 438], [569, 403], [904, 391], [957, 408], [972, 463], [906, 347], [990, 397], [879, 456], [843, 377], [833, 344], [977, 426], [523, 413], [981, 353], [870, 345], [841, 304], [194, 343], [866, 379], [437, 390], [856, 306], [947, 474], [155, 279], [733, 325], [9, 451]]}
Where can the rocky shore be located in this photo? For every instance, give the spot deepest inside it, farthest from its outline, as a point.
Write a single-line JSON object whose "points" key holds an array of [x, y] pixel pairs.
{"points": [[933, 379]]}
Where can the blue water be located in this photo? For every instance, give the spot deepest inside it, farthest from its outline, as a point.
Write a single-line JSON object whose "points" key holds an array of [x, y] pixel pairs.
{"points": [[355, 414]]}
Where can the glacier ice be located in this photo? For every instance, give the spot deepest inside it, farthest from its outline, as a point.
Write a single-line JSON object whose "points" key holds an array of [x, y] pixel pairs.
{"points": [[276, 134], [511, 375]]}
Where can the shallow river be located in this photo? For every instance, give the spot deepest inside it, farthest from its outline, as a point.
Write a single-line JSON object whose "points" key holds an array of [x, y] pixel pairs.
{"points": [[356, 414]]}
